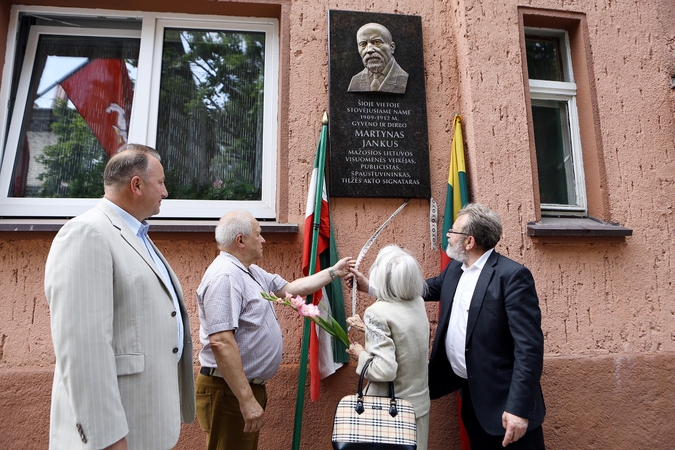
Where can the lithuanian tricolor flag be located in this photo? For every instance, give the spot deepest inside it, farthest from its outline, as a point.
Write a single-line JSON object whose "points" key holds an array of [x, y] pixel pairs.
{"points": [[457, 197], [458, 194]]}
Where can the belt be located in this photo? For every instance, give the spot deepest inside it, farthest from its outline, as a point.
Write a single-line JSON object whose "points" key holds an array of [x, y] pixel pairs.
{"points": [[214, 372]]}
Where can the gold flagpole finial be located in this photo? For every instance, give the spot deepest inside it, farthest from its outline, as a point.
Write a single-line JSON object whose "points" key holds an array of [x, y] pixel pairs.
{"points": [[325, 118]]}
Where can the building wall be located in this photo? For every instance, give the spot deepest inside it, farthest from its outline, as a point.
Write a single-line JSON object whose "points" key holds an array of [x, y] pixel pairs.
{"points": [[608, 306]]}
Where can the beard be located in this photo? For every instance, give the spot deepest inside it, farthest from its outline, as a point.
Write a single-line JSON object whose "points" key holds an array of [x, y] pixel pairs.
{"points": [[457, 252], [375, 65]]}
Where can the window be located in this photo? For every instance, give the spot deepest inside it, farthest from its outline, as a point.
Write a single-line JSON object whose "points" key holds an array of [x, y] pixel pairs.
{"points": [[553, 95], [202, 90]]}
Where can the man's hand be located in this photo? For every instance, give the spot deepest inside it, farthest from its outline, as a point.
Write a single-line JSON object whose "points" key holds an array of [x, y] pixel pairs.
{"points": [[515, 428], [253, 415], [226, 351]]}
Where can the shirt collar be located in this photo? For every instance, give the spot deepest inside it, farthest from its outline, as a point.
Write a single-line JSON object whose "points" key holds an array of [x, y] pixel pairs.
{"points": [[234, 260], [480, 263], [138, 228]]}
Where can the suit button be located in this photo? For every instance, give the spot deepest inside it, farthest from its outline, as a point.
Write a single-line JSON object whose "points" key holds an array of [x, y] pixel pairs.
{"points": [[175, 349], [82, 435], [173, 313]]}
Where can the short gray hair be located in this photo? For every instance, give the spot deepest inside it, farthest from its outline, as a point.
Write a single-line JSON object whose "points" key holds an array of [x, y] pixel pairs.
{"points": [[231, 225], [396, 275], [130, 160], [483, 224]]}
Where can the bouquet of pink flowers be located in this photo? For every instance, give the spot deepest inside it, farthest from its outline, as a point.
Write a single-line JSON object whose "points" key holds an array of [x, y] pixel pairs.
{"points": [[312, 313]]}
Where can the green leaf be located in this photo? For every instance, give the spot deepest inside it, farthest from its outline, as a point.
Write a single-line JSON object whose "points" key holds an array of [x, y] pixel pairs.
{"points": [[340, 333]]}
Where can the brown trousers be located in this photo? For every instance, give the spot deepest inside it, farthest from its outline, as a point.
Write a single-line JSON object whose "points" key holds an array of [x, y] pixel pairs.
{"points": [[220, 417]]}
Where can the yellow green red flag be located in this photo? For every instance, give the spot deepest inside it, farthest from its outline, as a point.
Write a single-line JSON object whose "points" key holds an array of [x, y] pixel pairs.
{"points": [[458, 194], [457, 197]]}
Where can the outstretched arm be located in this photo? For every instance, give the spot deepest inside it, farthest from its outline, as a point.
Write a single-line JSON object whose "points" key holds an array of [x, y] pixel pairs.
{"points": [[312, 283]]}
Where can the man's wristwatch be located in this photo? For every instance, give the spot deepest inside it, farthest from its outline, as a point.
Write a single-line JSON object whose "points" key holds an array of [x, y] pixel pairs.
{"points": [[332, 273]]}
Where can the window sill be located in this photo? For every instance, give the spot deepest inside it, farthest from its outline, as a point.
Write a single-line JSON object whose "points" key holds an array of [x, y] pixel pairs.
{"points": [[156, 226], [576, 229]]}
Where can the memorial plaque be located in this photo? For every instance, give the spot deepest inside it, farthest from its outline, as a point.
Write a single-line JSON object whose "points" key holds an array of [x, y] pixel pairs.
{"points": [[379, 146]]}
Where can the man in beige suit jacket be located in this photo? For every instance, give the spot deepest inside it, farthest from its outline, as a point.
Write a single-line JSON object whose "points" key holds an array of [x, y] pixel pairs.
{"points": [[123, 377]]}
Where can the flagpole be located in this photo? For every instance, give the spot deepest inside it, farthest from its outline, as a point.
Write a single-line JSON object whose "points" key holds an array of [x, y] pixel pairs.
{"points": [[302, 377], [56, 83]]}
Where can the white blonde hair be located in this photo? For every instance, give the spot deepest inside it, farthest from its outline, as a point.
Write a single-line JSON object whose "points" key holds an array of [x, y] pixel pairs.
{"points": [[396, 275]]}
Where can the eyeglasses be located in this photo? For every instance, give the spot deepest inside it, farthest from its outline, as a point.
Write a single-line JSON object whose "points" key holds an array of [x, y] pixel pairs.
{"points": [[458, 232]]}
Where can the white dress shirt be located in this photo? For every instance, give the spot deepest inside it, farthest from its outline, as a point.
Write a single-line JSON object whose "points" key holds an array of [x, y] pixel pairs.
{"points": [[455, 339]]}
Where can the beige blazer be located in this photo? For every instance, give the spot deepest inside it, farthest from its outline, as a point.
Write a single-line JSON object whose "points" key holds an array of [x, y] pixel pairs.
{"points": [[397, 338], [114, 333]]}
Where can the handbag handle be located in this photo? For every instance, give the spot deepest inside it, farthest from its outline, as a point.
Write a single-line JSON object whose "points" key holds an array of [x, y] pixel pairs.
{"points": [[393, 410]]}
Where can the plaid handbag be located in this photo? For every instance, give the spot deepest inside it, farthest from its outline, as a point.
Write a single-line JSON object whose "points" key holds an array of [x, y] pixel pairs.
{"points": [[374, 423]]}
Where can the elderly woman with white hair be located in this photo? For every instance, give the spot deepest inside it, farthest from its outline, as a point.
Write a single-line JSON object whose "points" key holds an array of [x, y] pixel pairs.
{"points": [[397, 334]]}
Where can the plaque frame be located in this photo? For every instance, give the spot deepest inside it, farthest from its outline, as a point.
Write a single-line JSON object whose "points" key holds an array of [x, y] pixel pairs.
{"points": [[379, 145]]}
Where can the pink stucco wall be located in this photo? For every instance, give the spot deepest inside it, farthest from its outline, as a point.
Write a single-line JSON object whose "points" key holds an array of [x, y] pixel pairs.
{"points": [[608, 307]]}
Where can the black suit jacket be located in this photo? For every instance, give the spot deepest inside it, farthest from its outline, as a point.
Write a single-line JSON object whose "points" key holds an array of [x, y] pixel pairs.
{"points": [[504, 343]]}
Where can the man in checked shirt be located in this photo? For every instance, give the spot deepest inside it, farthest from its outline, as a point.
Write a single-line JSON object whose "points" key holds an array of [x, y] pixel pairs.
{"points": [[239, 331]]}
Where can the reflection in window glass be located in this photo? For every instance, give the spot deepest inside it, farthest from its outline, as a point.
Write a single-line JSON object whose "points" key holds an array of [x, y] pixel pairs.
{"points": [[210, 123], [77, 115], [544, 58], [554, 152]]}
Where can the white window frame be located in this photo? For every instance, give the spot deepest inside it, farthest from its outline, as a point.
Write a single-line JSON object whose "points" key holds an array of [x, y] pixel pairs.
{"points": [[565, 91], [144, 110]]}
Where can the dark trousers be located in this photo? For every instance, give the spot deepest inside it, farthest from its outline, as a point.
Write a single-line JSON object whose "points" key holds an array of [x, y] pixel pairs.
{"points": [[481, 440], [220, 417]]}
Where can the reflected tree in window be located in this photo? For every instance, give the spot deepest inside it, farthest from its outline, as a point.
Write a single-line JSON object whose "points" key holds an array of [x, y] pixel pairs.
{"points": [[74, 84], [73, 167], [211, 114]]}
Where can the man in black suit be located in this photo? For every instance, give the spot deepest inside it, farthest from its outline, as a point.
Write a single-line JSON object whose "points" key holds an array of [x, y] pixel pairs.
{"points": [[489, 341]]}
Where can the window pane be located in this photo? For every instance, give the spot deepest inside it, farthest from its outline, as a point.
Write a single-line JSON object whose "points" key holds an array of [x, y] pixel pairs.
{"points": [[544, 58], [210, 123], [77, 115], [554, 153]]}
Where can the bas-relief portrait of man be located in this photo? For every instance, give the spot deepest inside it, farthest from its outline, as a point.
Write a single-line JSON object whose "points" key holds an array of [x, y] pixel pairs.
{"points": [[381, 73]]}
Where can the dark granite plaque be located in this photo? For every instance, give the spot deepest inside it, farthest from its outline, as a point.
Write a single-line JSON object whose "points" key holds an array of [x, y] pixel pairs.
{"points": [[379, 146]]}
